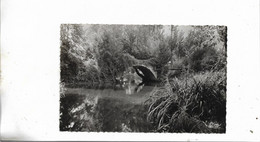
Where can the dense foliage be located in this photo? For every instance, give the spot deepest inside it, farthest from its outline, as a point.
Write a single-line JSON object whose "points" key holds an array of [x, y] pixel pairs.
{"points": [[190, 62], [194, 104], [194, 99], [99, 54]]}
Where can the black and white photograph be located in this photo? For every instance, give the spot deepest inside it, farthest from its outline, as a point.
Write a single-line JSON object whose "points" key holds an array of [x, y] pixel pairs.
{"points": [[143, 78], [131, 70]]}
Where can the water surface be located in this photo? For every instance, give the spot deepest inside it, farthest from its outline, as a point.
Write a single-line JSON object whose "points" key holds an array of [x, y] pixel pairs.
{"points": [[107, 110]]}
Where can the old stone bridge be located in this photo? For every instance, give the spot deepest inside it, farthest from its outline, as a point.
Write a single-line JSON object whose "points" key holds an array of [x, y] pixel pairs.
{"points": [[146, 72], [143, 69]]}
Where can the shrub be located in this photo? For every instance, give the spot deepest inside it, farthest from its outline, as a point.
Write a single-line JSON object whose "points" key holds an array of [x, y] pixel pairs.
{"points": [[190, 105], [203, 59]]}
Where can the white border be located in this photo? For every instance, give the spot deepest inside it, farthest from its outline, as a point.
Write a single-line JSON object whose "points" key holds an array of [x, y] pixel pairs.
{"points": [[30, 61]]}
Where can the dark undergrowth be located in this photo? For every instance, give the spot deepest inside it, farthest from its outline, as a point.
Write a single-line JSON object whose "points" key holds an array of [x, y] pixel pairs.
{"points": [[193, 104]]}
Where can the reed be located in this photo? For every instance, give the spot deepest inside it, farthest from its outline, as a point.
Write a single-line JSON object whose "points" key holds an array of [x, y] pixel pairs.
{"points": [[190, 104]]}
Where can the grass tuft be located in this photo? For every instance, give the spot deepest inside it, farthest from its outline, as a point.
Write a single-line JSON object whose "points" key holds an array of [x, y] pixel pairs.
{"points": [[192, 104]]}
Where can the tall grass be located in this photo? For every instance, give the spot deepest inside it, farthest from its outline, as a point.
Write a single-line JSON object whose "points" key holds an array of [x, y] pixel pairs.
{"points": [[193, 104]]}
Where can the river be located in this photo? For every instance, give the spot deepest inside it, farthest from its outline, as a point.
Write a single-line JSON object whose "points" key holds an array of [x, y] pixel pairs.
{"points": [[106, 110]]}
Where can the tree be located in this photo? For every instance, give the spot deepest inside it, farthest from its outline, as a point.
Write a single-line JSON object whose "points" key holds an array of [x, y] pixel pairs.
{"points": [[199, 48], [162, 59], [69, 64]]}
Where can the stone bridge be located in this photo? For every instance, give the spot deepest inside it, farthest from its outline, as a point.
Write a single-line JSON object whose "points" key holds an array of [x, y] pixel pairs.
{"points": [[146, 72], [143, 69]]}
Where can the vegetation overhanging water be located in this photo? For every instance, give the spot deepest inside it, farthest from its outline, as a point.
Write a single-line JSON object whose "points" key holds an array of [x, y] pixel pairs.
{"points": [[146, 78]]}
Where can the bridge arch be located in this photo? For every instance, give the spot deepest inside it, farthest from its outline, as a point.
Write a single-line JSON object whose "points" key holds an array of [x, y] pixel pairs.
{"points": [[147, 73]]}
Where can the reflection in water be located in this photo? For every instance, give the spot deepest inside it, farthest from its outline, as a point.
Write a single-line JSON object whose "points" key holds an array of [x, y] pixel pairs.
{"points": [[120, 115], [132, 88], [106, 110], [132, 83]]}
